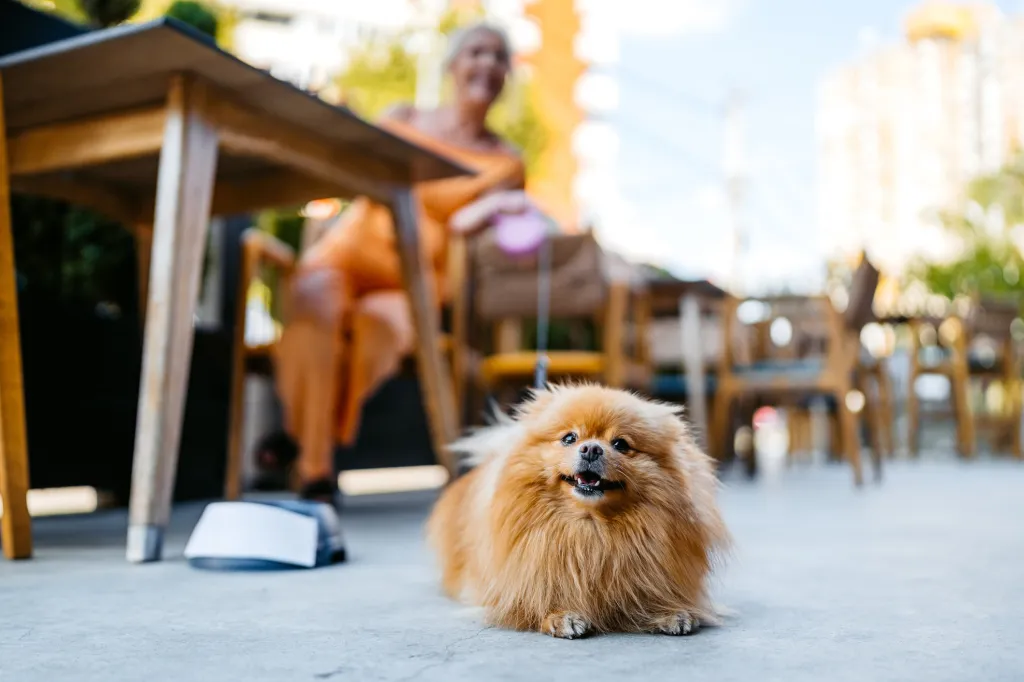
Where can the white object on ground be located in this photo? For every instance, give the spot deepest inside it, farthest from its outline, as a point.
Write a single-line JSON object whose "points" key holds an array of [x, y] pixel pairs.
{"points": [[247, 530]]}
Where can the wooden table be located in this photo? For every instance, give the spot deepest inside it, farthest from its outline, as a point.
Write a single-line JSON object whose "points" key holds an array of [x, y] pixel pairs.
{"points": [[685, 296], [156, 127]]}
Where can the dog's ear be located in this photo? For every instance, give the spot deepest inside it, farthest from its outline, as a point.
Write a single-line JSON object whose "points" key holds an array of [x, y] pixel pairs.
{"points": [[539, 400]]}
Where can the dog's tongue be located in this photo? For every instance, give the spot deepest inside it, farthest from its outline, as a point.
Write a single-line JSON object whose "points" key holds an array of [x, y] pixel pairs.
{"points": [[588, 478]]}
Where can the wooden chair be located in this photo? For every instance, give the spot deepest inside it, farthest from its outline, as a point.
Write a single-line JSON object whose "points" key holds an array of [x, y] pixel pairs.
{"points": [[586, 284], [978, 345], [868, 371], [994, 358], [819, 358], [260, 250]]}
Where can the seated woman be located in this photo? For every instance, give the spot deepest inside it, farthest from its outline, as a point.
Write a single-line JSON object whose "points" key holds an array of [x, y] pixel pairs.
{"points": [[351, 324]]}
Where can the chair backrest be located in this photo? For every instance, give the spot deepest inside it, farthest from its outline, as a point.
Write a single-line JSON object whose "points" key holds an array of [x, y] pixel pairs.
{"points": [[785, 328], [267, 264], [992, 317], [860, 308], [508, 288]]}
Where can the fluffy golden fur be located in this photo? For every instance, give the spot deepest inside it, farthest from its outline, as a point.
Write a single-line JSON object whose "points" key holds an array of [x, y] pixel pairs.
{"points": [[547, 537]]}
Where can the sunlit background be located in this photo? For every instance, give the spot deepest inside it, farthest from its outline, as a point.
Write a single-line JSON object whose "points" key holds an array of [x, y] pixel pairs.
{"points": [[760, 145]]}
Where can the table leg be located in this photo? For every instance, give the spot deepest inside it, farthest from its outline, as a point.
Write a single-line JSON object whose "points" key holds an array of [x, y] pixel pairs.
{"points": [[693, 364], [184, 189], [435, 379], [16, 525]]}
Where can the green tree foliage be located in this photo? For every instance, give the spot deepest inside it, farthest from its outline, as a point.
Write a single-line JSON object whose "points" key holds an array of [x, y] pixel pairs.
{"points": [[989, 263], [195, 14], [382, 73], [66, 252]]}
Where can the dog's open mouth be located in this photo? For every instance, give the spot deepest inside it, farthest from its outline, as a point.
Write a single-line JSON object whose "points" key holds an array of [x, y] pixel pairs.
{"points": [[589, 483]]}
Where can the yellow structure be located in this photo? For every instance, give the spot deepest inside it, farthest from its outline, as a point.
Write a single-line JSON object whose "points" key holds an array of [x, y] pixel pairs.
{"points": [[938, 19], [555, 72]]}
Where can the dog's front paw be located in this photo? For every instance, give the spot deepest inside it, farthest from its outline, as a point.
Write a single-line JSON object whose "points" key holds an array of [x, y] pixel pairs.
{"points": [[566, 626], [677, 624]]}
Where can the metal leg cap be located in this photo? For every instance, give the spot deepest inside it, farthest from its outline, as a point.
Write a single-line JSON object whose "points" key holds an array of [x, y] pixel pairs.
{"points": [[145, 543]]}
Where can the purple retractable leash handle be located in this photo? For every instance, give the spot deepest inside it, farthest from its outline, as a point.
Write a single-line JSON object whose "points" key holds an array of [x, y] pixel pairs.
{"points": [[523, 234]]}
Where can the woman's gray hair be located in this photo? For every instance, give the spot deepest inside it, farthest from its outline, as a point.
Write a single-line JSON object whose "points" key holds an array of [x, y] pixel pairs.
{"points": [[457, 40]]}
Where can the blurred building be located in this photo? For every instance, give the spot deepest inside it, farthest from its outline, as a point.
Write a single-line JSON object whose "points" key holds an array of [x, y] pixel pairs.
{"points": [[555, 72], [902, 128]]}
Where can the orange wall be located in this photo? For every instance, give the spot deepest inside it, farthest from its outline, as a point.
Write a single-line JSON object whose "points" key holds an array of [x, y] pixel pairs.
{"points": [[555, 70]]}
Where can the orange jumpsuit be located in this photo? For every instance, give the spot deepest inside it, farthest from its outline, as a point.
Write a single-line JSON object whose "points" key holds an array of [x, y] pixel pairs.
{"points": [[327, 370]]}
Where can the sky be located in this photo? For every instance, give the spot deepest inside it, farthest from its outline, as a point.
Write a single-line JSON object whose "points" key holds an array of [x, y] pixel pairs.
{"points": [[675, 70]]}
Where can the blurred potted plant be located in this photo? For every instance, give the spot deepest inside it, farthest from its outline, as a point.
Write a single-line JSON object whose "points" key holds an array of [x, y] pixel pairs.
{"points": [[200, 16], [107, 13]]}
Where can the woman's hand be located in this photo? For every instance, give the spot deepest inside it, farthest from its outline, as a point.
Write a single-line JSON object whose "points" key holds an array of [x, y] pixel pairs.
{"points": [[482, 211]]}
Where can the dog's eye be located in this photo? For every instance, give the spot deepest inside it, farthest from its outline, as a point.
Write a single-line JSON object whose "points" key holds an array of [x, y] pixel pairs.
{"points": [[569, 438], [620, 444]]}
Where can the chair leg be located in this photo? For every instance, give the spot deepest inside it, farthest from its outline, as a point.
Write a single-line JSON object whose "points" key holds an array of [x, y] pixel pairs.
{"points": [[1016, 414], [885, 405], [913, 417], [877, 428], [614, 333], [236, 427], [236, 423], [849, 437], [16, 524], [964, 419], [805, 431], [793, 432], [836, 451], [872, 415], [800, 432], [719, 441]]}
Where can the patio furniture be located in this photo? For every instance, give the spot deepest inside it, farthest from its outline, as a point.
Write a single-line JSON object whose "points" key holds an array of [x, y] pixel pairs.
{"points": [[878, 403], [155, 126], [587, 284], [261, 253], [868, 371], [686, 344], [978, 345], [818, 357]]}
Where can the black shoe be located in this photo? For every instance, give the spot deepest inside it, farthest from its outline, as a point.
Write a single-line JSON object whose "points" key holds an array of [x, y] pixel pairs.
{"points": [[324, 490], [276, 454]]}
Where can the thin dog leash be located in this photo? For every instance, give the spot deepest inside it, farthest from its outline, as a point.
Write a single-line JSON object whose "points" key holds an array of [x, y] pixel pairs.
{"points": [[540, 374]]}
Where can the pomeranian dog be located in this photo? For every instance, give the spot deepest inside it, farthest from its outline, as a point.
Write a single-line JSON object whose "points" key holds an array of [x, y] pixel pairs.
{"points": [[589, 510]]}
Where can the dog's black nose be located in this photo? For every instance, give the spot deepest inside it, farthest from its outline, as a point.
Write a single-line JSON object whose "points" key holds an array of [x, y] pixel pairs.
{"points": [[591, 451]]}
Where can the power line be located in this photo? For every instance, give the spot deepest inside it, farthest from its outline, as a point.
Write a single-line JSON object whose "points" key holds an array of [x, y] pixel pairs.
{"points": [[689, 101], [665, 145]]}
